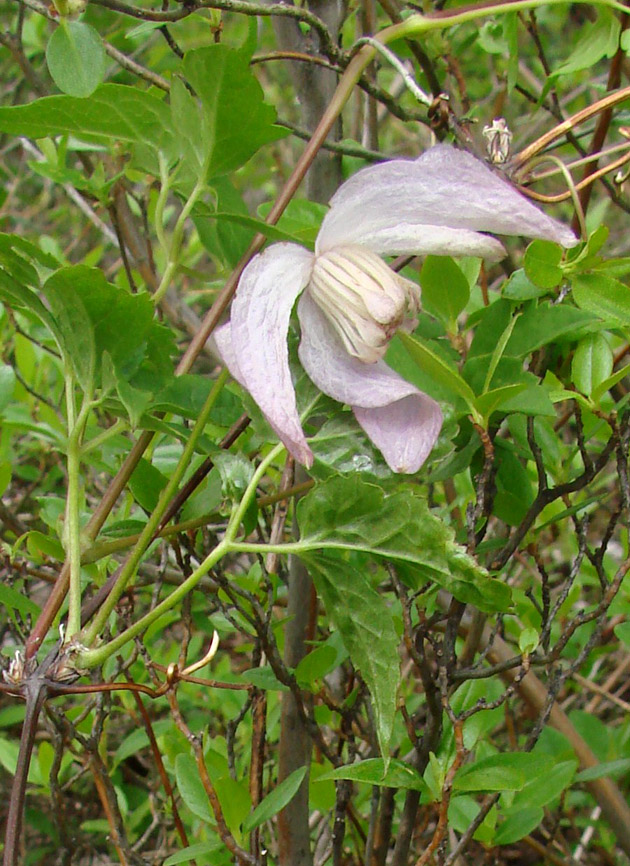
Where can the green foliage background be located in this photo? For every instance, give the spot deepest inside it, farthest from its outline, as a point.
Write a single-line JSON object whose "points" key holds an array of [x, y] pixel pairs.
{"points": [[410, 669]]}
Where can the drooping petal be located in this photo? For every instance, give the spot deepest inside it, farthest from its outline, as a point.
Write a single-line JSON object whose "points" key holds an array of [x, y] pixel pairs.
{"points": [[402, 422], [406, 238], [443, 187], [261, 310], [404, 432], [222, 338], [337, 373]]}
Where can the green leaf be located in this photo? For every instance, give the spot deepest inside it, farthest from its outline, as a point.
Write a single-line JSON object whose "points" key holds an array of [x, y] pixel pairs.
{"points": [[445, 289], [75, 331], [592, 363], [541, 262], [610, 382], [528, 640], [11, 599], [520, 288], [19, 297], [264, 678], [604, 296], [316, 664], [367, 628], [492, 400], [499, 351], [597, 40], [191, 788], [186, 855], [547, 323], [113, 111], [350, 514], [449, 377], [374, 771], [508, 771], [7, 385], [146, 484], [76, 58], [544, 784], [613, 769], [275, 800], [517, 825], [234, 121]]}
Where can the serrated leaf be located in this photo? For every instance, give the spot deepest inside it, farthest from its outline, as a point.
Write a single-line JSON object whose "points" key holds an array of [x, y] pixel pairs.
{"points": [[275, 800], [365, 622], [597, 40], [235, 121], [350, 514], [76, 58]]}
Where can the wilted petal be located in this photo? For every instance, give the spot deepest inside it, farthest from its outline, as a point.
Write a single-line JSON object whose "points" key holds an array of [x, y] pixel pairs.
{"points": [[404, 432], [443, 187], [337, 373], [261, 310]]}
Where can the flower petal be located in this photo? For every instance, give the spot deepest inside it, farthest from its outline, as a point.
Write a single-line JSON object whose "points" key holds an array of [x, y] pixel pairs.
{"points": [[402, 422], [222, 338], [405, 238], [261, 310], [337, 373], [404, 432], [443, 187]]}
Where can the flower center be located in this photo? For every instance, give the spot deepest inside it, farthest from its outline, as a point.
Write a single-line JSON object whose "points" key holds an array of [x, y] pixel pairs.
{"points": [[365, 301]]}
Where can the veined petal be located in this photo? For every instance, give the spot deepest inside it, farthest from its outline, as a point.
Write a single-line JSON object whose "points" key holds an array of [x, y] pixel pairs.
{"points": [[222, 338], [337, 373], [404, 432], [443, 187], [261, 310], [418, 239]]}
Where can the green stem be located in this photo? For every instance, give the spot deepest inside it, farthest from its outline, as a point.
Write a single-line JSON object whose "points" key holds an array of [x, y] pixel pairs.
{"points": [[239, 512], [149, 531], [176, 241], [160, 205], [418, 24], [103, 437], [94, 657], [72, 529]]}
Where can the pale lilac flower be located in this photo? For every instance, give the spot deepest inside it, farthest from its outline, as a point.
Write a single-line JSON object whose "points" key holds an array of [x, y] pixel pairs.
{"points": [[352, 303]]}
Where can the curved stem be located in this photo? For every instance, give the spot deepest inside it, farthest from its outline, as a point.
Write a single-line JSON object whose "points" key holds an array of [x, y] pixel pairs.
{"points": [[72, 529], [129, 568]]}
